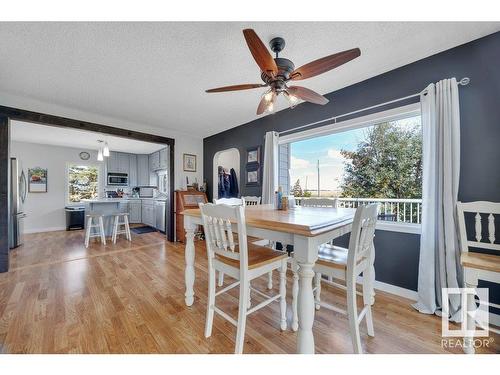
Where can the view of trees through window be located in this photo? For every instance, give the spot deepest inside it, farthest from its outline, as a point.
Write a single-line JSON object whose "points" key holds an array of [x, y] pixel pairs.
{"points": [[83, 182], [379, 161]]}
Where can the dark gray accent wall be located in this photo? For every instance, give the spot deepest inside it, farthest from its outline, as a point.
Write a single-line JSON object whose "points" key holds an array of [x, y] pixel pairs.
{"points": [[4, 193], [397, 253]]}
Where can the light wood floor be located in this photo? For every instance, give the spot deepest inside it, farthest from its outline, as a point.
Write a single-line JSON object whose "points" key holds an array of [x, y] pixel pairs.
{"points": [[129, 298]]}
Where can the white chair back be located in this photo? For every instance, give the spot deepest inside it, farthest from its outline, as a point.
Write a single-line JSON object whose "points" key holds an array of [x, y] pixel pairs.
{"points": [[319, 202], [363, 231], [230, 201], [482, 210], [219, 238], [251, 200]]}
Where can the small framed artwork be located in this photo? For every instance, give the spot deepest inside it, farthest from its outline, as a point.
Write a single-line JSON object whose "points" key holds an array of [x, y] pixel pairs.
{"points": [[253, 175], [253, 154], [189, 163], [37, 180]]}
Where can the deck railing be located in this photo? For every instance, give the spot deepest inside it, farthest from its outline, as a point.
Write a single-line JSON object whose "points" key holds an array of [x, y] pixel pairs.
{"points": [[397, 210]]}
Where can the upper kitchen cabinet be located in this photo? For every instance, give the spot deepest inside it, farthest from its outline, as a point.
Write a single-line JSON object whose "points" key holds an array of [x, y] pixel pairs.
{"points": [[132, 176], [154, 161], [163, 158], [118, 162], [142, 170]]}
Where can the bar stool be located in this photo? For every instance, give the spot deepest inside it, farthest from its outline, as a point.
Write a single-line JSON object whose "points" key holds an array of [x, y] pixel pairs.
{"points": [[117, 224], [98, 225]]}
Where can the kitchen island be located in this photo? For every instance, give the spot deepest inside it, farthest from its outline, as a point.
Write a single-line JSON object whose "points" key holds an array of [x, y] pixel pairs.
{"points": [[106, 207]]}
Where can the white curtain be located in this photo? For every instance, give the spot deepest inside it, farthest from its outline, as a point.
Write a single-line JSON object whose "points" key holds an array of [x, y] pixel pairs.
{"points": [[270, 172], [439, 251]]}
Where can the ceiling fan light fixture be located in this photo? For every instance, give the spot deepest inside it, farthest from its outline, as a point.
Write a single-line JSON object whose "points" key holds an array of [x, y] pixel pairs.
{"points": [[292, 99]]}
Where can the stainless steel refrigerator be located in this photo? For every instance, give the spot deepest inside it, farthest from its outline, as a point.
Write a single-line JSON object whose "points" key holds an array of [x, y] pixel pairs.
{"points": [[18, 191]]}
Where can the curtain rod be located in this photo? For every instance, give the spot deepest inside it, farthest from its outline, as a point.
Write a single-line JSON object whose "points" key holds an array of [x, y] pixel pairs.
{"points": [[463, 82]]}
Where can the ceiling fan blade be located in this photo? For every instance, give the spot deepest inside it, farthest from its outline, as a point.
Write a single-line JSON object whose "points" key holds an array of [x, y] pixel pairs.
{"points": [[324, 64], [307, 95], [260, 53], [245, 86]]}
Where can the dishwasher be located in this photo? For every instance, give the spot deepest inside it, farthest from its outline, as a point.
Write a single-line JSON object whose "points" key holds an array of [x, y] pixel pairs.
{"points": [[160, 215]]}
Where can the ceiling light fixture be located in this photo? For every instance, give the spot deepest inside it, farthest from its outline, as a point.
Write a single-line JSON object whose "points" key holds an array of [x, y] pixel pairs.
{"points": [[100, 153], [105, 151]]}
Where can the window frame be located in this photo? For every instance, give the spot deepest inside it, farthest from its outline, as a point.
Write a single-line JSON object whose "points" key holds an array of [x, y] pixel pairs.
{"points": [[66, 178], [393, 114]]}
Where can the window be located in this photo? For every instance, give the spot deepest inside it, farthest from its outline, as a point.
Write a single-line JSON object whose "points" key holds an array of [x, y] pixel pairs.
{"points": [[83, 182], [377, 158]]}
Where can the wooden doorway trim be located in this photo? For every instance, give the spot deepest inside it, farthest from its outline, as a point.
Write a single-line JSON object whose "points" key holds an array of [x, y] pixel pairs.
{"points": [[9, 113]]}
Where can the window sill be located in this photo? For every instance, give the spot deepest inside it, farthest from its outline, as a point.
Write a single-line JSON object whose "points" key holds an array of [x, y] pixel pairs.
{"points": [[399, 227]]}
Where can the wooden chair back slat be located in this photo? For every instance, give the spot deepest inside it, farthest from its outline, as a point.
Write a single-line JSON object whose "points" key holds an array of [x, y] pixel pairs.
{"points": [[480, 209]]}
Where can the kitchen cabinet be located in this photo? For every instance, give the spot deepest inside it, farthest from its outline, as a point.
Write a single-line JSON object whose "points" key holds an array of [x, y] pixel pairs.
{"points": [[123, 163], [135, 211], [148, 213], [123, 207], [153, 179], [118, 162], [142, 170], [154, 161], [163, 158], [112, 162], [132, 176]]}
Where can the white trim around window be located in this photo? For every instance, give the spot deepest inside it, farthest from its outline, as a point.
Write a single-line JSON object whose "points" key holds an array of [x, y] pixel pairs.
{"points": [[409, 110]]}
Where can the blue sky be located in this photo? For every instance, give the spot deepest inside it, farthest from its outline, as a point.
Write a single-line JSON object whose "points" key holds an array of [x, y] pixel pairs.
{"points": [[327, 149], [304, 155]]}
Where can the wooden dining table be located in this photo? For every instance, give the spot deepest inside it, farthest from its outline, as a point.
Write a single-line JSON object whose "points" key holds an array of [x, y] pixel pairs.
{"points": [[305, 228]]}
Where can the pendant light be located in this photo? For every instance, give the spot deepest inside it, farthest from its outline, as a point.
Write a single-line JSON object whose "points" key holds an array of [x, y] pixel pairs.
{"points": [[105, 151], [100, 156]]}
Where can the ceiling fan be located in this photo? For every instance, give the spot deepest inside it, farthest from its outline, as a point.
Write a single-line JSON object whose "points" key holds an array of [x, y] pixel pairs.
{"points": [[277, 72]]}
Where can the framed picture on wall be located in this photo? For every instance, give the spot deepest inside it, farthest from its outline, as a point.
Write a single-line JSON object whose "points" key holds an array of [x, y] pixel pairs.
{"points": [[253, 154], [37, 180], [253, 174], [189, 162]]}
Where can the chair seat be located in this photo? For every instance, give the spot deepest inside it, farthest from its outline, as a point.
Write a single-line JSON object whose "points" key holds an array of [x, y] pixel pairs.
{"points": [[257, 256], [485, 262], [332, 256]]}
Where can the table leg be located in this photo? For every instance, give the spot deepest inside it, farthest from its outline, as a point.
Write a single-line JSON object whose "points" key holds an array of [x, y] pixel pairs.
{"points": [[306, 252], [189, 274], [372, 276]]}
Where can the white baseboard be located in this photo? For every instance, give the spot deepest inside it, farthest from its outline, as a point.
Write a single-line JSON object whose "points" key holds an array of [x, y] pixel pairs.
{"points": [[393, 289], [41, 230]]}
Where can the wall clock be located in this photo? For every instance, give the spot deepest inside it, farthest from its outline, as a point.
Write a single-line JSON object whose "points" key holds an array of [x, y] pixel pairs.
{"points": [[84, 155]]}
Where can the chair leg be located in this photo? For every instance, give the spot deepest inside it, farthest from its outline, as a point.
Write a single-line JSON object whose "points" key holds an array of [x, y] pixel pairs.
{"points": [[249, 295], [242, 317], [352, 314], [295, 295], [211, 302], [367, 302], [101, 228], [270, 280], [127, 228], [115, 229], [317, 292], [283, 295], [220, 282], [87, 231]]}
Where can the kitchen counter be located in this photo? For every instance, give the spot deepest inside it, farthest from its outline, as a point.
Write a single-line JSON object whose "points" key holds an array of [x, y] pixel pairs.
{"points": [[117, 200]]}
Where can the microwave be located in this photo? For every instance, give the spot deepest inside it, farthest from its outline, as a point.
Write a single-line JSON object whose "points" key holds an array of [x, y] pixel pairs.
{"points": [[118, 179]]}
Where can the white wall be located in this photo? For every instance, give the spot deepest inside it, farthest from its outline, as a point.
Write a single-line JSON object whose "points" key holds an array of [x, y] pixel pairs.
{"points": [[45, 211], [184, 143]]}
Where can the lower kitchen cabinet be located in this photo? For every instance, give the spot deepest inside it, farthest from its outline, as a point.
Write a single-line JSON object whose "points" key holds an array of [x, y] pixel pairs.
{"points": [[148, 213], [135, 211]]}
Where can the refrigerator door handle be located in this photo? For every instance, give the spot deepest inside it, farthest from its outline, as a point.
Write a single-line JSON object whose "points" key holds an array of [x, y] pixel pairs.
{"points": [[24, 185]]}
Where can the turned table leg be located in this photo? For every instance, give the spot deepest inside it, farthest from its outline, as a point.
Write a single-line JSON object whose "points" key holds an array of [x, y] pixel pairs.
{"points": [[189, 274]]}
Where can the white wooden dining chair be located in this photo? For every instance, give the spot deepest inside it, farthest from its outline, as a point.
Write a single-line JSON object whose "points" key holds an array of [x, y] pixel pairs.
{"points": [[240, 260], [230, 201], [251, 200], [478, 266], [348, 264]]}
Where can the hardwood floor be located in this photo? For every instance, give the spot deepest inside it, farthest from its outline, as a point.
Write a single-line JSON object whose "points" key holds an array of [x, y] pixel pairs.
{"points": [[129, 298]]}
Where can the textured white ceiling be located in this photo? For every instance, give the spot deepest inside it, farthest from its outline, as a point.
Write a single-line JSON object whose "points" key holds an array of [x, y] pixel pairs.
{"points": [[52, 135], [156, 73]]}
